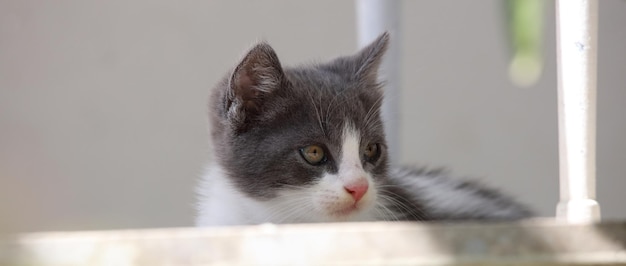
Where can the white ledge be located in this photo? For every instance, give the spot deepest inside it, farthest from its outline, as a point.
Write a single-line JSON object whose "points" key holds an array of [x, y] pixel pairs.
{"points": [[533, 242]]}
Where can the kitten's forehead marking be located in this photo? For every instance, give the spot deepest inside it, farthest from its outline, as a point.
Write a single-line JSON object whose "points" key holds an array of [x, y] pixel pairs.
{"points": [[350, 166]]}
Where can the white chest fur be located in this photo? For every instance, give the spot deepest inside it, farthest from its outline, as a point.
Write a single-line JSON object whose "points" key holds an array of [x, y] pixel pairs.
{"points": [[220, 203]]}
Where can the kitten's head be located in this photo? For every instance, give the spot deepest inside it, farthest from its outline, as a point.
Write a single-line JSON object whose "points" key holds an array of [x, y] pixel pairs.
{"points": [[306, 139]]}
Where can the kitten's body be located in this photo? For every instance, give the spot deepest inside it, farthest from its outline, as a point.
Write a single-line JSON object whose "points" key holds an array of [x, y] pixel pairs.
{"points": [[306, 144]]}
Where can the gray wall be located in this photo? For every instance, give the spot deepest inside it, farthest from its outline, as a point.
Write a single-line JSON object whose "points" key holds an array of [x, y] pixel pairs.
{"points": [[103, 104]]}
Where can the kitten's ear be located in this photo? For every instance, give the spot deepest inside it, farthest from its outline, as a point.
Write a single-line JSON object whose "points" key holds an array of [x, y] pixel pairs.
{"points": [[257, 76], [368, 59]]}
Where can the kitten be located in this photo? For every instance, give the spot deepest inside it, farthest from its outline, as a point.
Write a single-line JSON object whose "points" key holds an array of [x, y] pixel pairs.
{"points": [[306, 144]]}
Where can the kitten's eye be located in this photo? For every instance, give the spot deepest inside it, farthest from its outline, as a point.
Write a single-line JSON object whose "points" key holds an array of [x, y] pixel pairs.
{"points": [[371, 152], [313, 154]]}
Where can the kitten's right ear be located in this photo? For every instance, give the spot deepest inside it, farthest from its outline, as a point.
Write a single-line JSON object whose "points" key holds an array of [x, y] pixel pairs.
{"points": [[362, 66], [256, 77], [369, 58]]}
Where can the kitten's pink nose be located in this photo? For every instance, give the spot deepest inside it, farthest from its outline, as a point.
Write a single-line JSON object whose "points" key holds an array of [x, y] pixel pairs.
{"points": [[357, 189]]}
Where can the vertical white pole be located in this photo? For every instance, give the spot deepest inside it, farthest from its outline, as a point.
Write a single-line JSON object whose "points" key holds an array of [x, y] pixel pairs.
{"points": [[577, 24], [373, 18]]}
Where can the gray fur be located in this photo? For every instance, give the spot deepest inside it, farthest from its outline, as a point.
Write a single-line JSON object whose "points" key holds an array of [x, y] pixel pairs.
{"points": [[262, 113], [443, 198]]}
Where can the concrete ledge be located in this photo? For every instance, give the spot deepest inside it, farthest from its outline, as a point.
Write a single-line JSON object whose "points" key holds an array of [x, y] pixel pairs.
{"points": [[533, 242]]}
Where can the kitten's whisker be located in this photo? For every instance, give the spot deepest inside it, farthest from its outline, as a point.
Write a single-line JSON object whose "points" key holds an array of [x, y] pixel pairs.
{"points": [[390, 212], [401, 201], [405, 210], [369, 115], [384, 212], [331, 104], [294, 191], [414, 211], [317, 112], [387, 186], [295, 210], [284, 208], [379, 214], [289, 186]]}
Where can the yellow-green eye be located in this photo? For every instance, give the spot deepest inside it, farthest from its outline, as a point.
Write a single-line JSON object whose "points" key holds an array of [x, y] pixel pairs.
{"points": [[313, 154], [371, 152]]}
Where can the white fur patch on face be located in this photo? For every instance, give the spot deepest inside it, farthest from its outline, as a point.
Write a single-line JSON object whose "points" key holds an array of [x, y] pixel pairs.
{"points": [[325, 201], [332, 196]]}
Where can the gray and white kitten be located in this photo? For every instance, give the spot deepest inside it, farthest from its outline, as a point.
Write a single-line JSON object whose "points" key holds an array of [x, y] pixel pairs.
{"points": [[306, 144]]}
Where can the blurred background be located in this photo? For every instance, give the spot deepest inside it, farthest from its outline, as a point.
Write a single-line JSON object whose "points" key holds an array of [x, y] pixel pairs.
{"points": [[103, 117]]}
